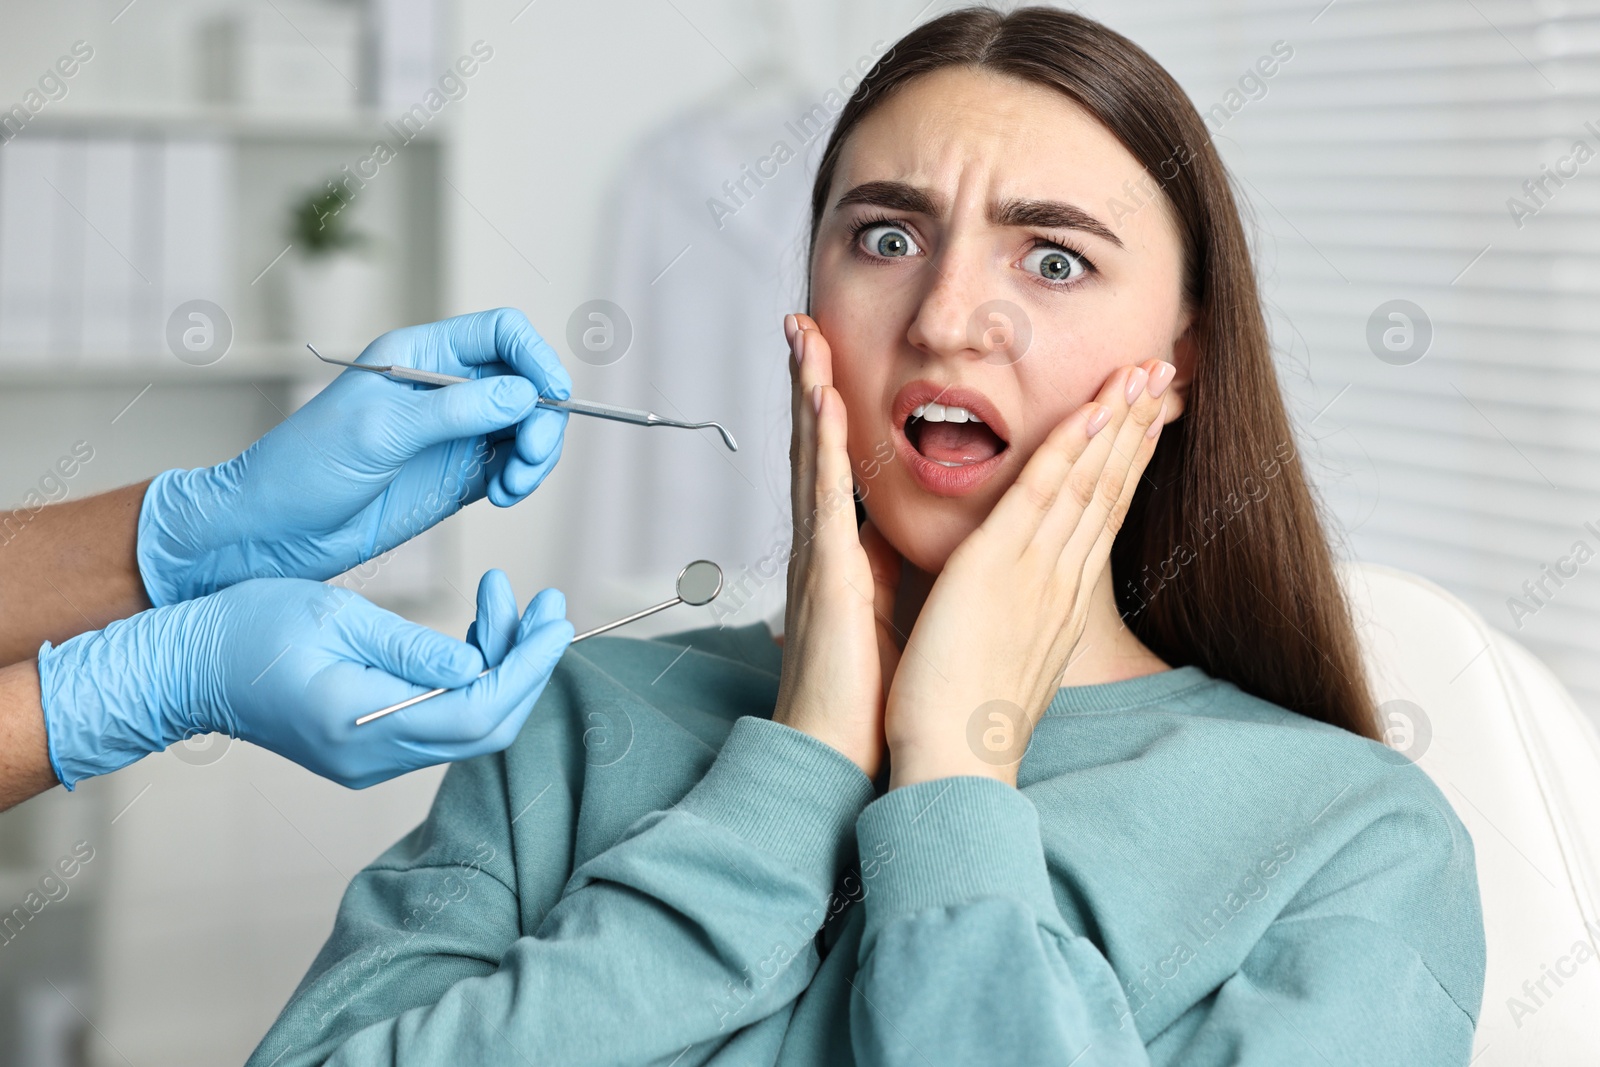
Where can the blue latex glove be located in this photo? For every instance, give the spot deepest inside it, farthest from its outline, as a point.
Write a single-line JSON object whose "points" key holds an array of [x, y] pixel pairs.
{"points": [[289, 665], [366, 465]]}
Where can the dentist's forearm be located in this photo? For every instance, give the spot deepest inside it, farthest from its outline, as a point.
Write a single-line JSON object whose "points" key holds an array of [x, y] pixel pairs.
{"points": [[24, 752], [67, 568]]}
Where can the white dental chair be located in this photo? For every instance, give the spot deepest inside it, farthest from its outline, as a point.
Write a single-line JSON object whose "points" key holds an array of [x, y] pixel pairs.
{"points": [[1521, 766]]}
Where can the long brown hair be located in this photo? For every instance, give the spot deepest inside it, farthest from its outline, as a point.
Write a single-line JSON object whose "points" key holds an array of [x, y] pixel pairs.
{"points": [[1222, 562]]}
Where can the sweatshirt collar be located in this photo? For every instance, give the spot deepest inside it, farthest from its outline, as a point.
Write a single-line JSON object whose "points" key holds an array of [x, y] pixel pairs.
{"points": [[1130, 693]]}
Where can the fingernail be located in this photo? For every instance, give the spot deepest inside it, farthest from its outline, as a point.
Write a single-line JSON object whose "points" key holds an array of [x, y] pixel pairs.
{"points": [[798, 343], [1162, 378], [816, 398], [1097, 419], [1155, 427], [1136, 380], [789, 328]]}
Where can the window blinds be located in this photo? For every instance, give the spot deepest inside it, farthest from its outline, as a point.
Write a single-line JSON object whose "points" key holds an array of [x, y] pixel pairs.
{"points": [[1446, 154]]}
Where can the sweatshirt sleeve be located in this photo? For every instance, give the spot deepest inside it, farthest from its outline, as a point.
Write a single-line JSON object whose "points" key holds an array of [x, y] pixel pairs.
{"points": [[965, 959], [697, 924]]}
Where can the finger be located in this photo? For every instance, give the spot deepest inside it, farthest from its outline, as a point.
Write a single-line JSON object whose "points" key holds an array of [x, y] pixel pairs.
{"points": [[506, 335], [818, 371], [494, 461], [534, 454], [1082, 480], [1121, 460], [1017, 516], [833, 518], [497, 622], [470, 409], [485, 715], [803, 440], [539, 436], [820, 404], [802, 447], [495, 707], [547, 607], [1100, 551], [425, 658]]}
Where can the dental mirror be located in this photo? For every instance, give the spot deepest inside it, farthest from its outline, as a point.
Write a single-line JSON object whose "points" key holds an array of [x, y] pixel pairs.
{"points": [[698, 585]]}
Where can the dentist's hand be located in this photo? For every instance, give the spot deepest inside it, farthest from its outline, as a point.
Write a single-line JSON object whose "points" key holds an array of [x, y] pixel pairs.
{"points": [[366, 465], [290, 665], [838, 639]]}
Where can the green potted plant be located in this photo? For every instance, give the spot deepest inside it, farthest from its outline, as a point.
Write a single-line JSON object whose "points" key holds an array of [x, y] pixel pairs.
{"points": [[332, 278]]}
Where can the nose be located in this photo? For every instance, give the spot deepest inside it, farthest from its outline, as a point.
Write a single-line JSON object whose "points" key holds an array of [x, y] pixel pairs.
{"points": [[951, 321]]}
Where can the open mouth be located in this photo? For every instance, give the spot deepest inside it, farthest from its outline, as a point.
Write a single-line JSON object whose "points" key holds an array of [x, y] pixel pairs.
{"points": [[951, 435], [951, 438]]}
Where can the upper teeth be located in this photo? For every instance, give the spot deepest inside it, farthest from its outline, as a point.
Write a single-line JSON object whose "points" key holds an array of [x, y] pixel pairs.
{"points": [[932, 412]]}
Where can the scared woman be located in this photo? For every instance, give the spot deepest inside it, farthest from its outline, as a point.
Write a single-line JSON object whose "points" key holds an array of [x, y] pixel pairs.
{"points": [[1066, 755]]}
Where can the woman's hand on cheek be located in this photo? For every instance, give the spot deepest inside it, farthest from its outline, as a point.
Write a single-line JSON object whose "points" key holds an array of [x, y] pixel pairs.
{"points": [[841, 592], [1011, 603]]}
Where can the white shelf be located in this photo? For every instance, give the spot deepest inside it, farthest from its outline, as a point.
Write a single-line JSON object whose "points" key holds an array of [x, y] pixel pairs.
{"points": [[358, 125], [267, 362]]}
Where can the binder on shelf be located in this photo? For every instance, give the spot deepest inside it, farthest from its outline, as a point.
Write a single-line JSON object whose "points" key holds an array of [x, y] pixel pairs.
{"points": [[27, 243], [197, 215], [112, 275], [406, 49], [102, 238], [61, 196], [147, 310]]}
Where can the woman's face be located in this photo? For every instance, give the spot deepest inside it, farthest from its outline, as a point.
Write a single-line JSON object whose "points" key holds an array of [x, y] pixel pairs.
{"points": [[968, 212]]}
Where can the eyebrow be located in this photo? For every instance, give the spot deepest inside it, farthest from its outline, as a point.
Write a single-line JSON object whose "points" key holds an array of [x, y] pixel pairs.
{"points": [[1047, 214]]}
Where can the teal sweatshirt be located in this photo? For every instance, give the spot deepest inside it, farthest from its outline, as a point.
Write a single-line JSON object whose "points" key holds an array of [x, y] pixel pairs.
{"points": [[656, 873]]}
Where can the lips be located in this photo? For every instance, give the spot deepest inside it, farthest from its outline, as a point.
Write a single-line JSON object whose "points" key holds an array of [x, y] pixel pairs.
{"points": [[943, 478]]}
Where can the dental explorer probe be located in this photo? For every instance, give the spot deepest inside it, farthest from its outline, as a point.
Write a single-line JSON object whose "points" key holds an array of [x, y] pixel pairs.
{"points": [[577, 407]]}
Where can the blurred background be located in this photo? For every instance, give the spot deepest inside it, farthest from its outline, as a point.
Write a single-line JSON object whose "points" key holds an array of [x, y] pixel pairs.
{"points": [[1411, 171]]}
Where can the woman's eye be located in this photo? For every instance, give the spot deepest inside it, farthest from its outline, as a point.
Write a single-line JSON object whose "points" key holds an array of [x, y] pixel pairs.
{"points": [[1056, 264], [890, 242]]}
